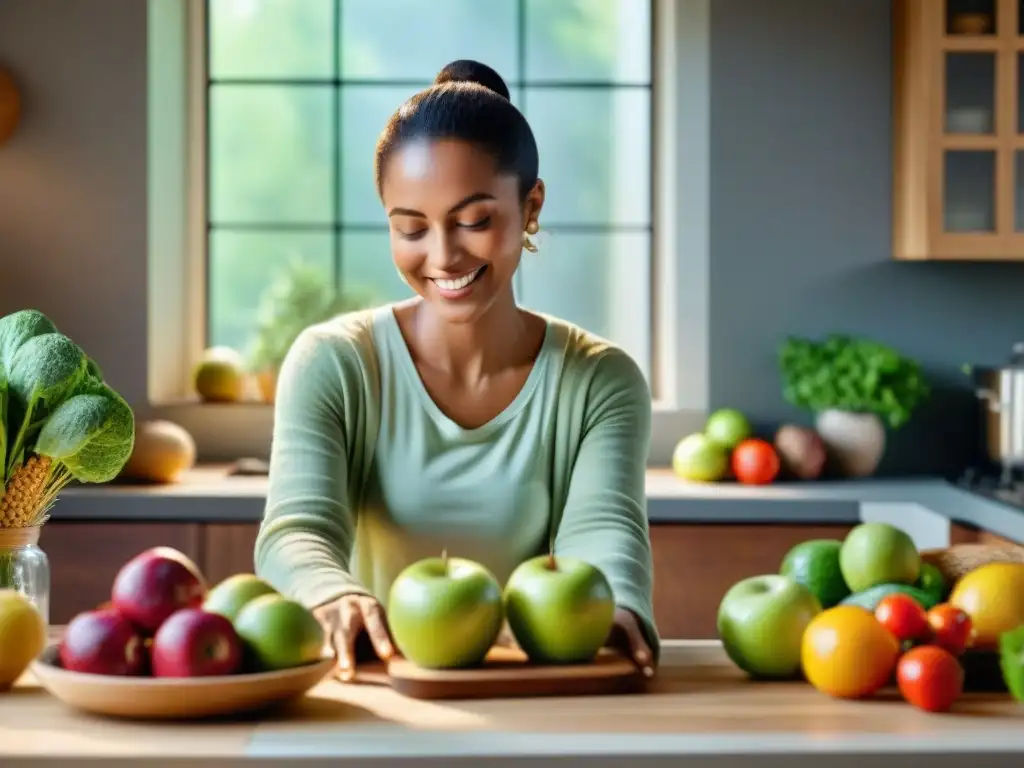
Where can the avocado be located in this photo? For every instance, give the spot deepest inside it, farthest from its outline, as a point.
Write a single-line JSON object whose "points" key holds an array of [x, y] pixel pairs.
{"points": [[870, 598]]}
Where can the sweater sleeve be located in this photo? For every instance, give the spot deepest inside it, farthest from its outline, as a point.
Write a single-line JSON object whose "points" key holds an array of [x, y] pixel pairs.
{"points": [[305, 540], [605, 517]]}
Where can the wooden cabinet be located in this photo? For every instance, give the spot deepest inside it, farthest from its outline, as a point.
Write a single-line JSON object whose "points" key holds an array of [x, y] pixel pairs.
{"points": [[958, 129], [964, 533], [228, 549], [694, 566]]}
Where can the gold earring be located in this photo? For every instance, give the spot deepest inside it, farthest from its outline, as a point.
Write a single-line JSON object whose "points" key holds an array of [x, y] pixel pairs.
{"points": [[528, 243]]}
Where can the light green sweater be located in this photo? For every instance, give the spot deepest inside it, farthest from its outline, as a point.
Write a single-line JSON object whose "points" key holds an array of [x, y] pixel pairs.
{"points": [[368, 475]]}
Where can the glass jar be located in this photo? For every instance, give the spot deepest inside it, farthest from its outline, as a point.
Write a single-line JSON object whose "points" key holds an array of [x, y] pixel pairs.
{"points": [[24, 567]]}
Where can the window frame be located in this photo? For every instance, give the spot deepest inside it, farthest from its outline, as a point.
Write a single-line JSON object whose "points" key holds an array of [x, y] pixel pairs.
{"points": [[177, 230]]}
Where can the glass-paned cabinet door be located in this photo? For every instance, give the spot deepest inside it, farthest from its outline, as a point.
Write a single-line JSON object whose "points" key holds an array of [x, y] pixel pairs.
{"points": [[969, 191], [971, 17], [970, 92]]}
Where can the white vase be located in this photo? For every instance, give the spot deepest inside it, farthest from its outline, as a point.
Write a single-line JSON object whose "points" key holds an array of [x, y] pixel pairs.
{"points": [[855, 441]]}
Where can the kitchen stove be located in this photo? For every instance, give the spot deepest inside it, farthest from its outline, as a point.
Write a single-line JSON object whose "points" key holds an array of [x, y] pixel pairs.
{"points": [[1005, 484]]}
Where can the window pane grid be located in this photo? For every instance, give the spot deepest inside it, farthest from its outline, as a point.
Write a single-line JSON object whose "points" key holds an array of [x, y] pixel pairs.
{"points": [[525, 76]]}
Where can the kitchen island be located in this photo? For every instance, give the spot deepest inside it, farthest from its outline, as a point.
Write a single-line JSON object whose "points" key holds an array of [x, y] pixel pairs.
{"points": [[699, 711]]}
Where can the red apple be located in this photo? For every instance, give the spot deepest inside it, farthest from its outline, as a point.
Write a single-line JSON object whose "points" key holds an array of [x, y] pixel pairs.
{"points": [[195, 643], [103, 643], [156, 583]]}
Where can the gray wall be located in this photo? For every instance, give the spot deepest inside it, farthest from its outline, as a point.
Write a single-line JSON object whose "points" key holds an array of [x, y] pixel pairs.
{"points": [[801, 222], [73, 179], [800, 204]]}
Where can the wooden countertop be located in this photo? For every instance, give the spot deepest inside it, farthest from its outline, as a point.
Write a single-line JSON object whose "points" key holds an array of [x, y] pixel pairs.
{"points": [[699, 708]]}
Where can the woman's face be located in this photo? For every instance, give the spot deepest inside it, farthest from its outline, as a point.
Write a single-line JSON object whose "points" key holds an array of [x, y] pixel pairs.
{"points": [[456, 225]]}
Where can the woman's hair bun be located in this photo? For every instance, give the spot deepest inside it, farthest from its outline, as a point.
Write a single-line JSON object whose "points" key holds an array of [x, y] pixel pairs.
{"points": [[469, 71]]}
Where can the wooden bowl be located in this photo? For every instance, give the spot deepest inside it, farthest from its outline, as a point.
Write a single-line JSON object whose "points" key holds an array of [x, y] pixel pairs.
{"points": [[148, 698]]}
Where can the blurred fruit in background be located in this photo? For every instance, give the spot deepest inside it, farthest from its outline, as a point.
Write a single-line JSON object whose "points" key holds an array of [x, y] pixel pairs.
{"points": [[699, 459], [162, 453], [755, 462], [728, 427], [220, 376], [801, 451]]}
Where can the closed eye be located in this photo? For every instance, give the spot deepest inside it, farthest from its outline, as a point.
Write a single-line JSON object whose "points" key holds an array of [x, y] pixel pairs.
{"points": [[481, 224], [411, 235]]}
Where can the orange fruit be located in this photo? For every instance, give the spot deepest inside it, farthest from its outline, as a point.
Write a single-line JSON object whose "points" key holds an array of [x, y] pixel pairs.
{"points": [[993, 596], [847, 653]]}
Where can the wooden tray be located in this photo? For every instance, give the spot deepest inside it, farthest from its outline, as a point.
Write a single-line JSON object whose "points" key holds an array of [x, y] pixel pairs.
{"points": [[506, 673]]}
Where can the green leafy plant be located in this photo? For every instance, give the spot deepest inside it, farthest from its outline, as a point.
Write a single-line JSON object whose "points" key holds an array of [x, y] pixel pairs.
{"points": [[59, 421], [303, 297], [851, 374]]}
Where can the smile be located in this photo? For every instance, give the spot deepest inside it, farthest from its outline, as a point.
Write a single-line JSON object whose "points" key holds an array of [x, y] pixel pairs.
{"points": [[460, 282]]}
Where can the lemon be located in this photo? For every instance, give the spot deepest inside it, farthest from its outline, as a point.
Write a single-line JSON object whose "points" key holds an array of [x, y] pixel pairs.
{"points": [[22, 636], [993, 596]]}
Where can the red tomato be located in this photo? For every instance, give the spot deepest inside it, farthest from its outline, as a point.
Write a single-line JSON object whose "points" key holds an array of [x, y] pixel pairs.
{"points": [[755, 462], [904, 617], [930, 678], [952, 628]]}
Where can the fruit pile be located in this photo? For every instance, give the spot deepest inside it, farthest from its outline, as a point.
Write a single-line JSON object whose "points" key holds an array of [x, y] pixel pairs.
{"points": [[163, 621], [447, 613], [727, 447], [856, 615]]}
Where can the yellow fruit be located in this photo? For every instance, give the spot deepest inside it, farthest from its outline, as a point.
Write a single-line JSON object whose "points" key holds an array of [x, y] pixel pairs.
{"points": [[22, 636], [220, 376], [846, 653], [993, 596]]}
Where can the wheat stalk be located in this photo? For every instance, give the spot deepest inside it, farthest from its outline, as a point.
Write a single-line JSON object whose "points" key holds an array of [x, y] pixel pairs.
{"points": [[31, 492]]}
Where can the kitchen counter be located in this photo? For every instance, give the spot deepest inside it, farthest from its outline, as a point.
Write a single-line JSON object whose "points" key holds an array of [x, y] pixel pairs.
{"points": [[700, 711], [210, 494]]}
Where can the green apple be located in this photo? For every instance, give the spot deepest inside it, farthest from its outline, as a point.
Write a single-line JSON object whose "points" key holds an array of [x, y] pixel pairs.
{"points": [[279, 633], [560, 609], [232, 594], [878, 553], [445, 613], [728, 427], [700, 459], [761, 622]]}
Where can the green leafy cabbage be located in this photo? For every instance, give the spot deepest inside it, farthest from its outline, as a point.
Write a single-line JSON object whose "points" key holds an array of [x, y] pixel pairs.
{"points": [[54, 403]]}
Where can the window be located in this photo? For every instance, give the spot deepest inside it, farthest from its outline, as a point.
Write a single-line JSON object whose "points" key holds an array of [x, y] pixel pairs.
{"points": [[297, 91]]}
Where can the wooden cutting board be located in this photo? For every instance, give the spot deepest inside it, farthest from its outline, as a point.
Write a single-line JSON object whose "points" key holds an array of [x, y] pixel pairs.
{"points": [[506, 673]]}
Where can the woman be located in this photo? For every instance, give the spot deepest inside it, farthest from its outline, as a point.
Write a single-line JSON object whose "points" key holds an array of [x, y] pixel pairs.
{"points": [[455, 420]]}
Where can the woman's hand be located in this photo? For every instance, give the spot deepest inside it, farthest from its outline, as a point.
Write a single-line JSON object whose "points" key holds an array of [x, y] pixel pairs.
{"points": [[627, 637], [344, 619]]}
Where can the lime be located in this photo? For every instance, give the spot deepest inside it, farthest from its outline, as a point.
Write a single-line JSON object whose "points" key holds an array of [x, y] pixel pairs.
{"points": [[815, 564], [932, 581], [728, 427]]}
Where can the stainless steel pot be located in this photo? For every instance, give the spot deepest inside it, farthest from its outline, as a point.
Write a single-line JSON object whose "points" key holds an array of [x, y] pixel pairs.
{"points": [[1001, 395]]}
